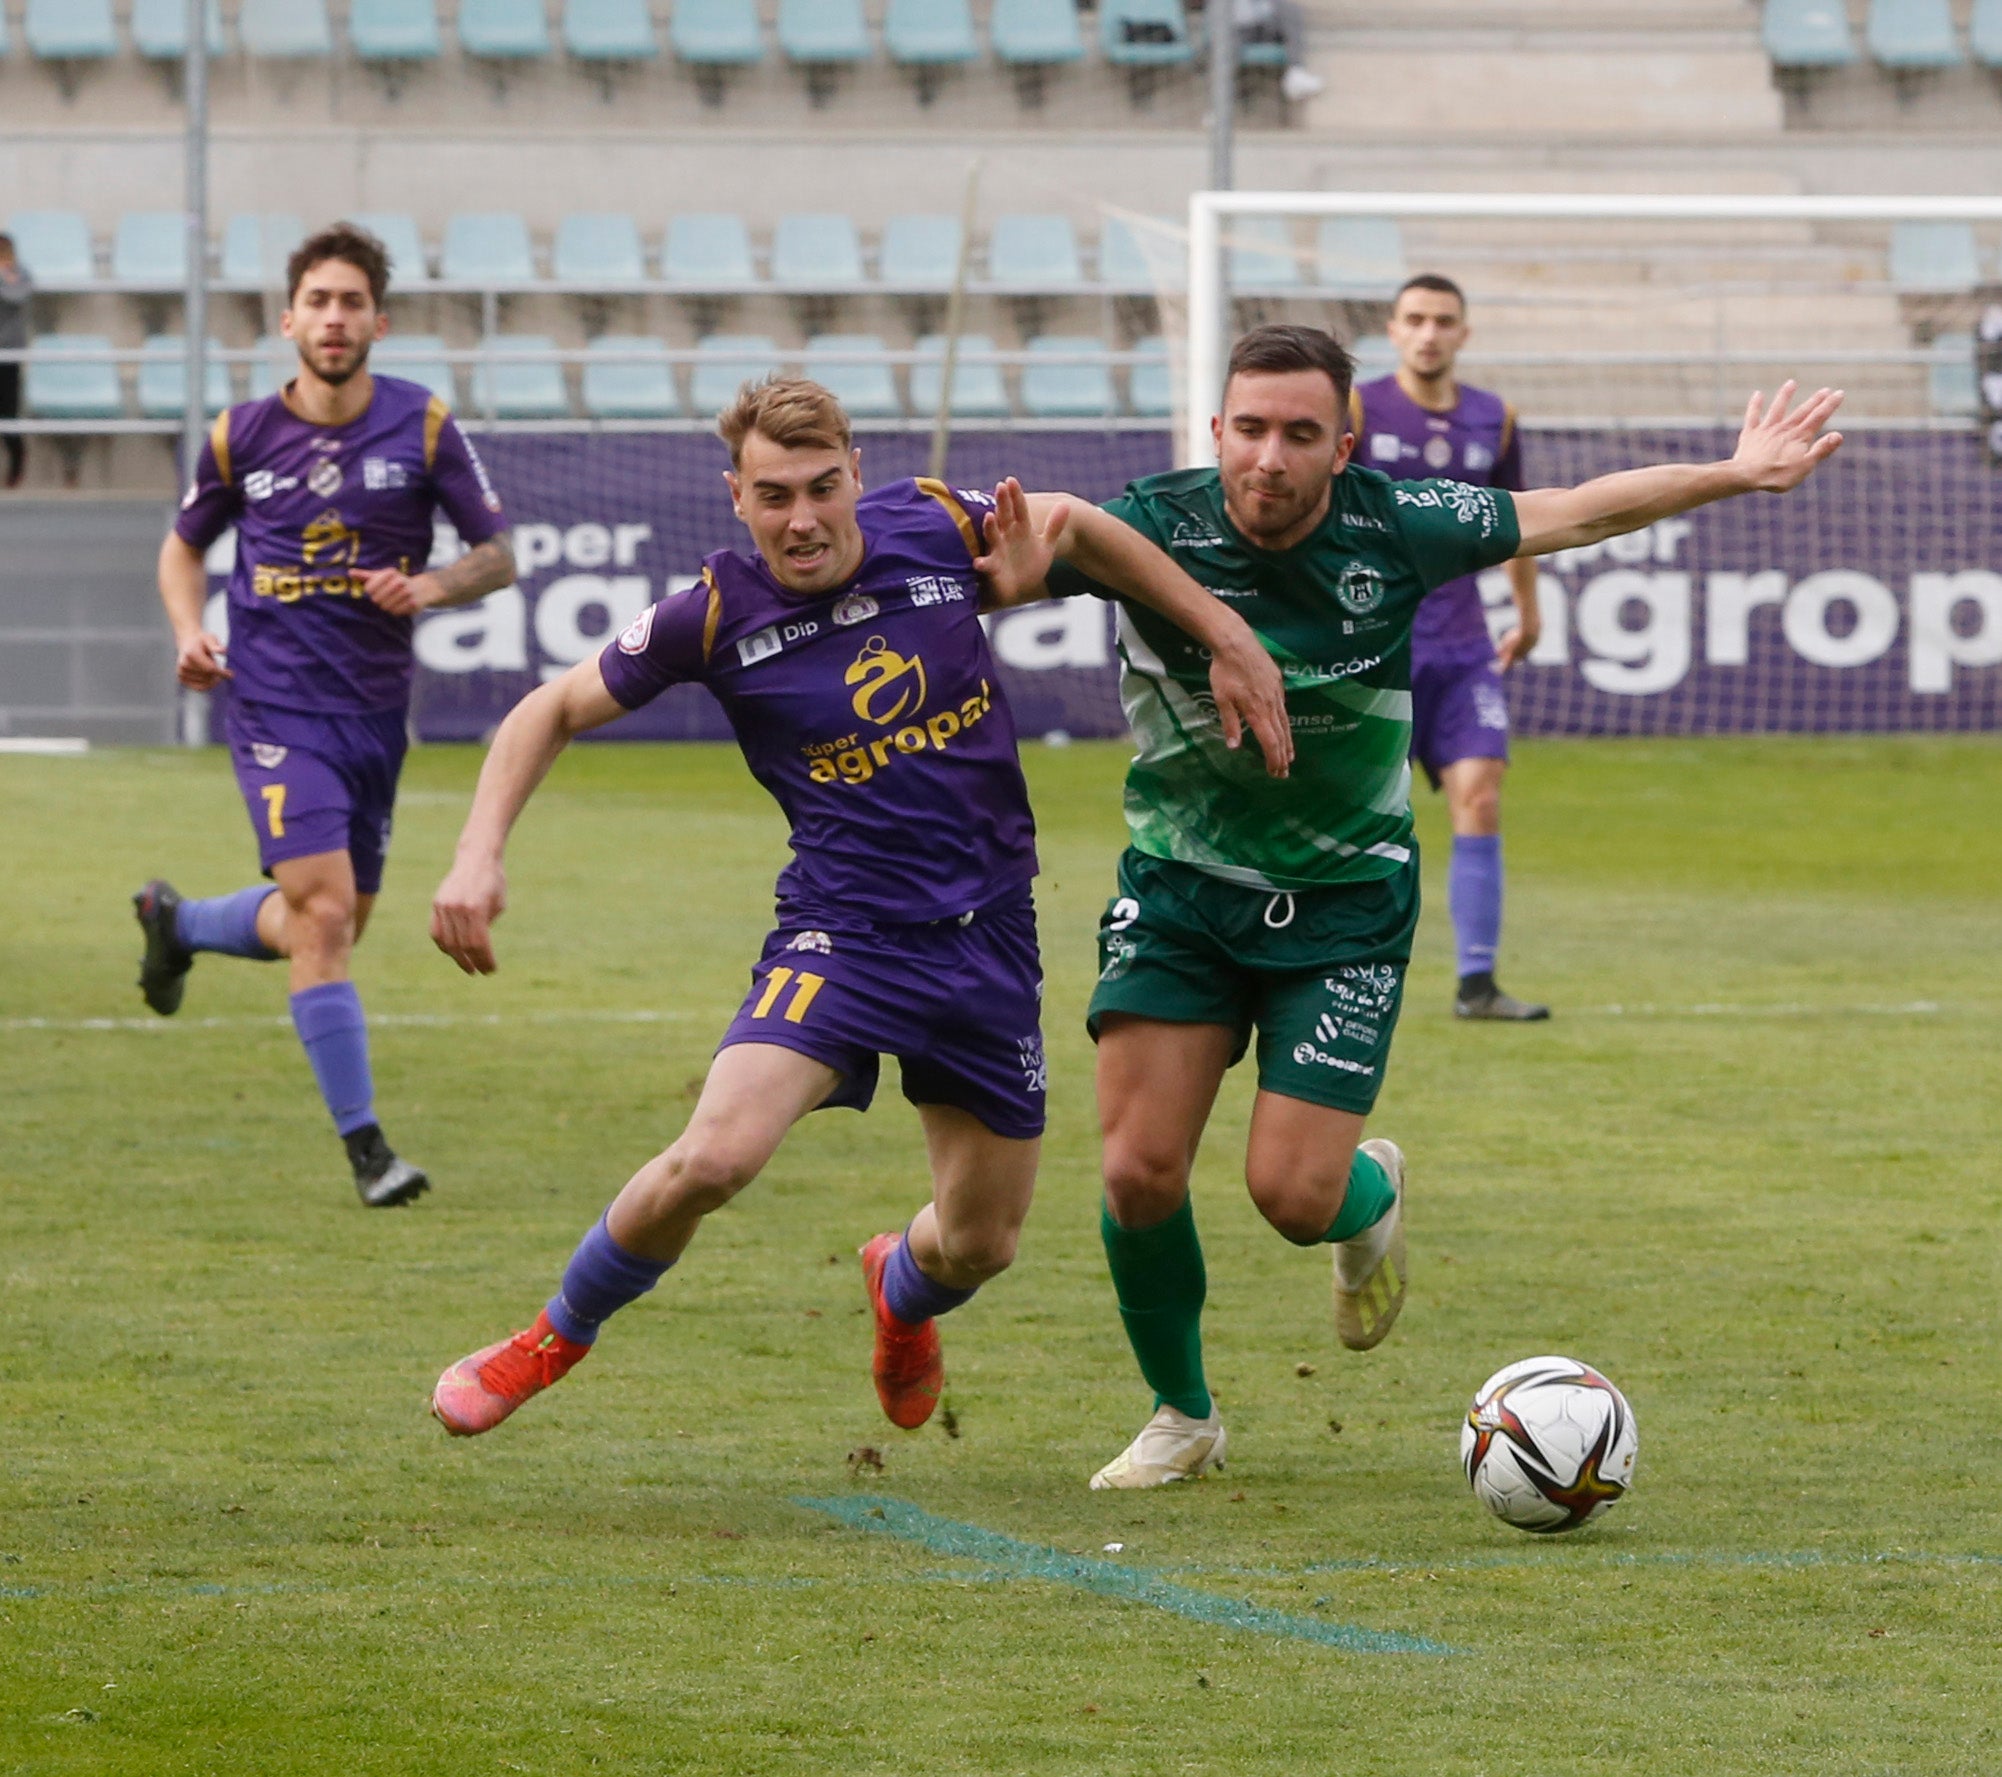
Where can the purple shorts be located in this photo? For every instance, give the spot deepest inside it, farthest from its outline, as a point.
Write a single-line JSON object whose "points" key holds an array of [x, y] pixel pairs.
{"points": [[959, 1006], [318, 783], [1458, 711]]}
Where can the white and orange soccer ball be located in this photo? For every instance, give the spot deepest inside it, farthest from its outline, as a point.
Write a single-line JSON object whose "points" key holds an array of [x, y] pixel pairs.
{"points": [[1549, 1444]]}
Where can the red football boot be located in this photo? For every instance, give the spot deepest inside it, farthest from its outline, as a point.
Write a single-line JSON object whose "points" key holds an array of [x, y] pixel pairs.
{"points": [[908, 1365], [478, 1392]]}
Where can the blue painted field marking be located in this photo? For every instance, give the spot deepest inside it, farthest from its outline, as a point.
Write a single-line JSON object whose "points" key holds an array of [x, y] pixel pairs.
{"points": [[1136, 1585]]}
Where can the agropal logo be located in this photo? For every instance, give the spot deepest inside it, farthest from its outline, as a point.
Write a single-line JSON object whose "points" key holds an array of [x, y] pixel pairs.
{"points": [[888, 685]]}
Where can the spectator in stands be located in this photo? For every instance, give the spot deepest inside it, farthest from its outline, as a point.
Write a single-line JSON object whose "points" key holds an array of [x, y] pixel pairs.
{"points": [[16, 290]]}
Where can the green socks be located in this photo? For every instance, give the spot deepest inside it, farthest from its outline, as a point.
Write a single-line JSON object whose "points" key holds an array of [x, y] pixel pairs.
{"points": [[1370, 1195], [1159, 1278]]}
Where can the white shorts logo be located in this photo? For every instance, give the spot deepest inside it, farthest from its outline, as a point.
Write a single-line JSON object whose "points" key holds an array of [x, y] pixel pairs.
{"points": [[818, 941], [266, 755]]}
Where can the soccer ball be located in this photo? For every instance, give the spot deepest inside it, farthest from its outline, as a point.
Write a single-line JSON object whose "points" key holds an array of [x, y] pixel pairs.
{"points": [[1549, 1444]]}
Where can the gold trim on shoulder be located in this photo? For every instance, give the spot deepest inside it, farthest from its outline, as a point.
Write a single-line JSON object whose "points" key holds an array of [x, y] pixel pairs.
{"points": [[968, 531], [1357, 418], [714, 615], [219, 444], [436, 413], [1508, 427]]}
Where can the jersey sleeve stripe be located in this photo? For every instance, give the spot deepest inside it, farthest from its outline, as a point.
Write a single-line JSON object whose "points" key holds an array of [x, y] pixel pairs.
{"points": [[713, 617], [1508, 427], [1357, 420], [436, 413], [969, 534], [219, 445]]}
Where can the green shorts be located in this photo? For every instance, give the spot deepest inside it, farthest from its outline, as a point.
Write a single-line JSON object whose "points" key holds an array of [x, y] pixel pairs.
{"points": [[1319, 973]]}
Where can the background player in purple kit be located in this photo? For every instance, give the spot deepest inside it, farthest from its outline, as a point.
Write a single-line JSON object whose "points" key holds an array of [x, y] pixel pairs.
{"points": [[1420, 424], [850, 660], [331, 484]]}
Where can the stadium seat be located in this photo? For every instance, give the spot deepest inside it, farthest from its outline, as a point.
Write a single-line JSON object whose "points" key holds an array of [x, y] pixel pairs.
{"points": [[1262, 255], [397, 231], [629, 378], [1036, 33], [600, 249], [255, 248], [285, 30], [504, 30], [727, 362], [394, 30], [70, 30], [1360, 255], [1151, 382], [62, 382], [1984, 33], [1933, 257], [1803, 34], [919, 254], [717, 33], [517, 384], [487, 247], [978, 391], [711, 252], [1145, 33], [149, 250], [929, 36], [1951, 384], [822, 37], [276, 356], [163, 379], [867, 391], [55, 247], [1033, 252], [417, 358], [160, 29], [816, 253], [1063, 391], [1913, 36], [1375, 356], [609, 30]]}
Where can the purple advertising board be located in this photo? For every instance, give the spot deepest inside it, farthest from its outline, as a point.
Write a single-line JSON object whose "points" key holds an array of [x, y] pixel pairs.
{"points": [[1869, 600]]}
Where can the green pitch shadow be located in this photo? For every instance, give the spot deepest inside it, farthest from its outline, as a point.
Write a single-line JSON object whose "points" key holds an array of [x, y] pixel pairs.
{"points": [[1005, 1557]]}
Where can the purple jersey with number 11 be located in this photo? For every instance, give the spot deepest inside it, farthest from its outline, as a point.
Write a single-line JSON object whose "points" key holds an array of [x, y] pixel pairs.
{"points": [[872, 714]]}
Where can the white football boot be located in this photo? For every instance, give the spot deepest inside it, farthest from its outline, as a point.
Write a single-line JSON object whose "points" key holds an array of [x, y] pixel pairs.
{"points": [[1369, 1267], [1171, 1447]]}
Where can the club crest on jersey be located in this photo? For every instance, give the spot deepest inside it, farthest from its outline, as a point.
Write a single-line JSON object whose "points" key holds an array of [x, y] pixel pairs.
{"points": [[1438, 453], [857, 607], [325, 478], [268, 757], [1360, 589], [888, 685], [636, 634]]}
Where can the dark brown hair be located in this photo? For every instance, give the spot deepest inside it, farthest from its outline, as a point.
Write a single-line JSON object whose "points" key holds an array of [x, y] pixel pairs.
{"points": [[351, 245], [1439, 286], [1281, 348]]}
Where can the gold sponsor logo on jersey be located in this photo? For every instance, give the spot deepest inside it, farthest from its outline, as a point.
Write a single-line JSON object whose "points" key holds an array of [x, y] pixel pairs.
{"points": [[852, 760], [888, 685], [330, 551]]}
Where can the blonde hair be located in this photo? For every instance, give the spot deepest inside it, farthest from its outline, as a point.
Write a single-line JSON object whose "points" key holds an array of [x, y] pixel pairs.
{"points": [[792, 411]]}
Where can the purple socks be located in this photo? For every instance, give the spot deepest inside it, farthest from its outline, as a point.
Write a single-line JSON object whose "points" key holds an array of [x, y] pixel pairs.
{"points": [[225, 924], [1474, 892], [601, 1278], [912, 1296], [330, 1024]]}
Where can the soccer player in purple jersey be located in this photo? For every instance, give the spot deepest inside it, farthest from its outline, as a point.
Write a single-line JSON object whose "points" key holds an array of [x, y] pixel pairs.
{"points": [[331, 484], [849, 658], [1421, 424]]}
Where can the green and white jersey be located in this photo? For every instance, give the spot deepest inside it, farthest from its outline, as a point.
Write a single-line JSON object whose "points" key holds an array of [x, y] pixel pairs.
{"points": [[1335, 612]]}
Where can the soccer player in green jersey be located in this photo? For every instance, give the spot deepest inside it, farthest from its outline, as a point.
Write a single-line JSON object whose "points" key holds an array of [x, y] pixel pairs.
{"points": [[1285, 906]]}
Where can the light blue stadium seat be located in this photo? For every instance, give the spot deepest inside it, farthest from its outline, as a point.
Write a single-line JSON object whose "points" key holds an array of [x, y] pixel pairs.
{"points": [[728, 361], [629, 378], [708, 252], [285, 30], [394, 30], [1912, 36], [487, 247], [978, 391], [1808, 34], [867, 391], [1064, 391], [60, 385], [397, 231], [1375, 356], [609, 30], [70, 30], [1145, 33], [1028, 251], [1035, 33], [418, 358], [255, 248], [823, 31], [816, 253], [1360, 255], [930, 33], [149, 250], [160, 29], [1934, 257], [919, 253], [600, 248], [55, 247], [1984, 33], [163, 379], [504, 30], [1262, 255], [717, 33], [1951, 383], [276, 364], [1140, 260], [1151, 382], [518, 384]]}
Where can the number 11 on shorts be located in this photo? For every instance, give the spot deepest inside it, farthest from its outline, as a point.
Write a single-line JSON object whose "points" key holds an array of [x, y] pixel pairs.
{"points": [[274, 808], [803, 991]]}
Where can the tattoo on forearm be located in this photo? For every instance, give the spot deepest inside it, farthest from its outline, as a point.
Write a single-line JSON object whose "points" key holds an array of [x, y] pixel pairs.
{"points": [[482, 569]]}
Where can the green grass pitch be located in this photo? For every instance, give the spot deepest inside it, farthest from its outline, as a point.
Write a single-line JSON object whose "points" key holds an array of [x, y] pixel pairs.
{"points": [[1749, 1170]]}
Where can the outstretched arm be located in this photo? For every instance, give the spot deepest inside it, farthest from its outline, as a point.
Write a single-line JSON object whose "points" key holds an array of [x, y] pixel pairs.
{"points": [[1777, 451], [474, 892]]}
